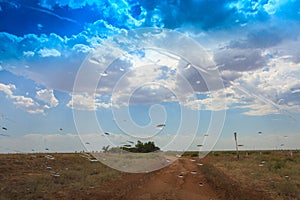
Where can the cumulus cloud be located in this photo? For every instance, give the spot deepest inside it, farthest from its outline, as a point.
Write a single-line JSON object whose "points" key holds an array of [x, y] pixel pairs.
{"points": [[49, 52], [82, 48], [85, 101], [7, 89], [271, 88], [25, 103], [244, 60], [28, 53], [47, 97], [29, 104]]}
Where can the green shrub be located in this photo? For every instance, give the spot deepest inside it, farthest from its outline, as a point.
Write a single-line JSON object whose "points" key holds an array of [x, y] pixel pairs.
{"points": [[276, 164]]}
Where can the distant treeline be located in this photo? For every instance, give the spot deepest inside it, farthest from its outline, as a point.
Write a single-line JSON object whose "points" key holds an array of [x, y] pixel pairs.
{"points": [[139, 147]]}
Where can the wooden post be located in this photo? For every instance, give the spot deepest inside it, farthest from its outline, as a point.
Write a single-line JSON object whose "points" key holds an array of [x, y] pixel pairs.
{"points": [[236, 146]]}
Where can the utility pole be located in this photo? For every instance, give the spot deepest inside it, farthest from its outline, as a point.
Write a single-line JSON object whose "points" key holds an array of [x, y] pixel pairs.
{"points": [[260, 133], [236, 146]]}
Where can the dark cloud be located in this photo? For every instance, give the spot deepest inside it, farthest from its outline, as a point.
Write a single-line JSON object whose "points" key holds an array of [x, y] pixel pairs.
{"points": [[262, 38], [237, 59]]}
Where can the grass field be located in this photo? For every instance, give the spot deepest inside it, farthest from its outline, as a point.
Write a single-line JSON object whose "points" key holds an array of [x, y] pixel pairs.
{"points": [[269, 175], [40, 176]]}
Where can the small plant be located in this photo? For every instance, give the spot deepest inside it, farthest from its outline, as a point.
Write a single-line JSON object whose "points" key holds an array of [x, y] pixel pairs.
{"points": [[216, 154], [276, 164], [105, 149]]}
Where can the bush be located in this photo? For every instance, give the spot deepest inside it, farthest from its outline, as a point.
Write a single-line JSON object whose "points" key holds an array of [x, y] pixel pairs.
{"points": [[141, 147], [275, 165]]}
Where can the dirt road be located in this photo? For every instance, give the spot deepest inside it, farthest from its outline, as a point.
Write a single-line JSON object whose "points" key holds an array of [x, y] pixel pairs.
{"points": [[180, 180]]}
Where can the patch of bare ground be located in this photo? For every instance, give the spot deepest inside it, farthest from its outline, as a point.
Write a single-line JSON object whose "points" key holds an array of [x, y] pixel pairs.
{"points": [[180, 180]]}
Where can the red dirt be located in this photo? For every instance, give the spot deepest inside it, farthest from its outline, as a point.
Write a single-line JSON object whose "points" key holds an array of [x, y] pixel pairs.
{"points": [[164, 184], [26, 177]]}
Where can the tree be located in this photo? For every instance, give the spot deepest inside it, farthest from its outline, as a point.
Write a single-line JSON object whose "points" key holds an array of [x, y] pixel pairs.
{"points": [[141, 147]]}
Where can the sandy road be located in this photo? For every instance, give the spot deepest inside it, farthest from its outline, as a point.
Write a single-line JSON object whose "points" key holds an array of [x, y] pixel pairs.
{"points": [[180, 180]]}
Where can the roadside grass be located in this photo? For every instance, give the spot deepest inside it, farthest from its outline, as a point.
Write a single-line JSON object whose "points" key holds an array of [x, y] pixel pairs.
{"points": [[34, 176], [272, 174], [228, 188], [191, 154]]}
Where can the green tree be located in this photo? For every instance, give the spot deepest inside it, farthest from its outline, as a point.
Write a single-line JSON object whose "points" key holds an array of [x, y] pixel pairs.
{"points": [[146, 147]]}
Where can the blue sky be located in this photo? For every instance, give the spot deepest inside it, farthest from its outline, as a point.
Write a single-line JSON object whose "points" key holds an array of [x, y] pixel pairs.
{"points": [[55, 87]]}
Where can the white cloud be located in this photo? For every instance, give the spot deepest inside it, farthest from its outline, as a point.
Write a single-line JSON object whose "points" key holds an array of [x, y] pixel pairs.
{"points": [[239, 59], [28, 53], [219, 100], [47, 97], [85, 101], [7, 89], [49, 52], [272, 6], [82, 48], [26, 103], [271, 89]]}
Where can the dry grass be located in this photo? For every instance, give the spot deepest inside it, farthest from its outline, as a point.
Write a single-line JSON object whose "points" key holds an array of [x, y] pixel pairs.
{"points": [[34, 176], [272, 175]]}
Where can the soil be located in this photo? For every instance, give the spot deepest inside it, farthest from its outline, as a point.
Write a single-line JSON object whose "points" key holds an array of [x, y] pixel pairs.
{"points": [[180, 180]]}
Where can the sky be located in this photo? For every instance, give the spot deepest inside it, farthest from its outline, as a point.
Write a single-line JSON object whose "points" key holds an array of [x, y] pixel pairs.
{"points": [[71, 71]]}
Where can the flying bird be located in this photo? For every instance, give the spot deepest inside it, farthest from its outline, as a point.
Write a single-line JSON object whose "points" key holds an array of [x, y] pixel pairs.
{"points": [[106, 133], [104, 74], [160, 125], [199, 145], [4, 128], [60, 129], [188, 66]]}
